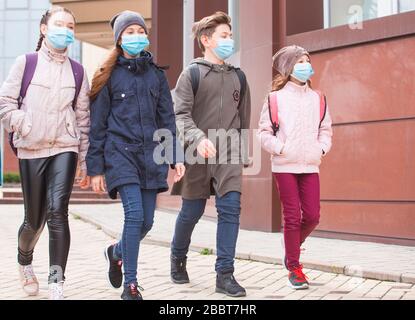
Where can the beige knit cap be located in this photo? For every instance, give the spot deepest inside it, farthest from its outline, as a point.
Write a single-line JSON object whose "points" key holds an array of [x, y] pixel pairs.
{"points": [[286, 58]]}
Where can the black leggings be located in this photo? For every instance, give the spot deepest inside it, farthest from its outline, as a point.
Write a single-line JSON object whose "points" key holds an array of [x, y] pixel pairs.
{"points": [[47, 186]]}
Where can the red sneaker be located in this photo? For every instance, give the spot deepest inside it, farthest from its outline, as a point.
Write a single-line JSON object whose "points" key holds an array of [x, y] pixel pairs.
{"points": [[297, 279]]}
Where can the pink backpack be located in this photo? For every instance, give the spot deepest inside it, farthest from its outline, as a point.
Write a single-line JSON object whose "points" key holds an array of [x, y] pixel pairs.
{"points": [[273, 109]]}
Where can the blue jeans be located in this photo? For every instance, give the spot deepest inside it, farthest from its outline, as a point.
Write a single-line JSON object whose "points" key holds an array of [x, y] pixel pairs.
{"points": [[229, 208], [139, 206]]}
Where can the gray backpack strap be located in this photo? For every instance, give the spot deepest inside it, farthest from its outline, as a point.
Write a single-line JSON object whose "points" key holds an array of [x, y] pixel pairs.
{"points": [[194, 77]]}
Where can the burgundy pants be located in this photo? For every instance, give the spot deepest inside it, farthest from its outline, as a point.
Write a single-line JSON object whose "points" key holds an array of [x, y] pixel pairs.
{"points": [[300, 199]]}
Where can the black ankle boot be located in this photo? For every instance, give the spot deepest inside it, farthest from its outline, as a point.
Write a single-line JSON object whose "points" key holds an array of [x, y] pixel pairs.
{"points": [[226, 283], [178, 271]]}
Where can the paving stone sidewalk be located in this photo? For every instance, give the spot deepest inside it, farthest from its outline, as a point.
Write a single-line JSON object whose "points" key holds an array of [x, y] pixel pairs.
{"points": [[86, 270], [354, 258]]}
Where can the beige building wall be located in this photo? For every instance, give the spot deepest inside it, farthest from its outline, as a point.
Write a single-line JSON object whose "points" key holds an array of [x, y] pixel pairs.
{"points": [[92, 58], [92, 17]]}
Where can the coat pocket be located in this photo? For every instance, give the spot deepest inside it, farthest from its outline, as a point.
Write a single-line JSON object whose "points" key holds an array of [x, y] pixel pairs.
{"points": [[27, 124], [67, 95], [121, 96], [125, 106], [314, 154], [125, 155], [70, 124], [127, 148], [291, 153], [154, 94], [19, 138], [287, 151]]}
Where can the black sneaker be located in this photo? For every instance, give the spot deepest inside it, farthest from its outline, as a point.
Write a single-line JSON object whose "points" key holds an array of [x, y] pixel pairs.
{"points": [[114, 274], [131, 292], [178, 270], [226, 283], [297, 279]]}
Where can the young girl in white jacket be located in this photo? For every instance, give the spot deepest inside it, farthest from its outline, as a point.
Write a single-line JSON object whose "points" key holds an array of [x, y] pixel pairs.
{"points": [[50, 121], [295, 128]]}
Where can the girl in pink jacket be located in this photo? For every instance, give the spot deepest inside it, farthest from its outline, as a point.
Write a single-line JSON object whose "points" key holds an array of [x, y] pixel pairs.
{"points": [[295, 128], [49, 123]]}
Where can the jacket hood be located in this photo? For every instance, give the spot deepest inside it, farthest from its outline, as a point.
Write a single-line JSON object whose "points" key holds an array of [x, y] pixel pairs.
{"points": [[137, 65], [212, 66]]}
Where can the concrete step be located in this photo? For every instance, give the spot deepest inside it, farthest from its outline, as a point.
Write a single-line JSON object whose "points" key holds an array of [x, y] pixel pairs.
{"points": [[12, 194], [75, 194], [72, 201]]}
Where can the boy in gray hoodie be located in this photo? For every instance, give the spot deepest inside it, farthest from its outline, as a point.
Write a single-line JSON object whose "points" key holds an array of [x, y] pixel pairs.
{"points": [[212, 106]]}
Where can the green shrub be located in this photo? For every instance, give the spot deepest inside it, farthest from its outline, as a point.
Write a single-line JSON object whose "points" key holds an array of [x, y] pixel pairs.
{"points": [[11, 177], [206, 252]]}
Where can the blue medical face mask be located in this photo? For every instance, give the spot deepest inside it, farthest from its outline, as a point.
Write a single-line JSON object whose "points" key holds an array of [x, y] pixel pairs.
{"points": [[303, 71], [225, 48], [60, 37], [134, 44]]}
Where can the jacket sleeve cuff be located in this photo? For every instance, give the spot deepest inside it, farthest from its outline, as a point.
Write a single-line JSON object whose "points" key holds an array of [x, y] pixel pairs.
{"points": [[82, 166], [96, 171], [196, 140], [324, 149], [16, 120]]}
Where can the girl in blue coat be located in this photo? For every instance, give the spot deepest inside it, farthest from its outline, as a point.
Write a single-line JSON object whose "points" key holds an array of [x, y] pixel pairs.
{"points": [[132, 141]]}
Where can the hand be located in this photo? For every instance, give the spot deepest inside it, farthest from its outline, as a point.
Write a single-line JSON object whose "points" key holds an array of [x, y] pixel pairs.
{"points": [[180, 170], [249, 164], [98, 184], [206, 149], [85, 181]]}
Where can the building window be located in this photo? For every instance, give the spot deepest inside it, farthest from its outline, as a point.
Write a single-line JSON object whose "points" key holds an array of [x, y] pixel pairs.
{"points": [[17, 4], [343, 12], [406, 5]]}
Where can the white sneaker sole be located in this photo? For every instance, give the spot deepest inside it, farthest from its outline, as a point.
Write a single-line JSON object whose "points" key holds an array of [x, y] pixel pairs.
{"points": [[31, 291], [52, 297], [302, 287]]}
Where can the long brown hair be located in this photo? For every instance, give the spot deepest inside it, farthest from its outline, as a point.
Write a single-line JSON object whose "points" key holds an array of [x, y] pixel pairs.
{"points": [[280, 81], [102, 75], [45, 19]]}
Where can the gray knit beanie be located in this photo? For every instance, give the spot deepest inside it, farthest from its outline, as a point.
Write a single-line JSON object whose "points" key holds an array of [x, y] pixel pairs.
{"points": [[123, 20], [285, 59]]}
